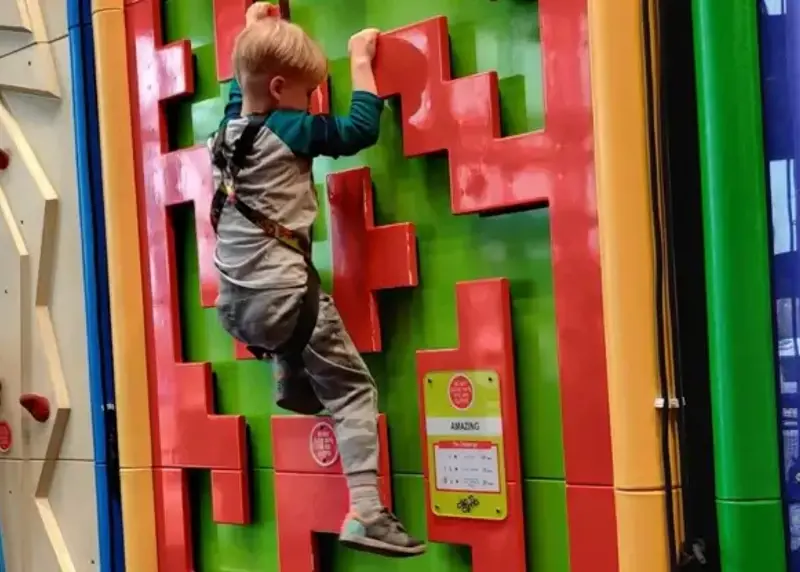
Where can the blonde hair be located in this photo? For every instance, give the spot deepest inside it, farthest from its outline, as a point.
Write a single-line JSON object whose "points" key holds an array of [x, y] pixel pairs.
{"points": [[272, 46]]}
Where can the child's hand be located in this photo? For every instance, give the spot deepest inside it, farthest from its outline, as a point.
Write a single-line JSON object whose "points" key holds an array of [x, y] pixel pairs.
{"points": [[362, 45], [261, 11]]}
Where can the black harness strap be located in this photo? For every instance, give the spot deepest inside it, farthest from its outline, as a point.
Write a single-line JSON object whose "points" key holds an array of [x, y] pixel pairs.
{"points": [[226, 194]]}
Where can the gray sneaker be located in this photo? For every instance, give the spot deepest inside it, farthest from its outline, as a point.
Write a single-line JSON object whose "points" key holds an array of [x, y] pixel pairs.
{"points": [[384, 535]]}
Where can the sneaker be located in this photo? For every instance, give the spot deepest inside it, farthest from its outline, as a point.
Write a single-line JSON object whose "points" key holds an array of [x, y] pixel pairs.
{"points": [[383, 535]]}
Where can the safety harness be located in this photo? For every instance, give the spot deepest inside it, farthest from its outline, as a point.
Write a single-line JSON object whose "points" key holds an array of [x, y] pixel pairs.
{"points": [[229, 164]]}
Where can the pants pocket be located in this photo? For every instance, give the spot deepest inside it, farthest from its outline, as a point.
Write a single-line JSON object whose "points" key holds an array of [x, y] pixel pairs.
{"points": [[264, 318]]}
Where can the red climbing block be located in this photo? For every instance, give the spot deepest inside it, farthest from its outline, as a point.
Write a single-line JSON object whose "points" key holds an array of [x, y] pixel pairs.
{"points": [[172, 59], [186, 431], [187, 179], [173, 520], [201, 439], [230, 495], [310, 490], [462, 116], [240, 351], [552, 167], [593, 525], [229, 19], [366, 258], [294, 449], [485, 343]]}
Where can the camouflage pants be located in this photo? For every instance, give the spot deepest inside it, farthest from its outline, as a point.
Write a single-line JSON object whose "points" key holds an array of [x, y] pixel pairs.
{"points": [[330, 365]]}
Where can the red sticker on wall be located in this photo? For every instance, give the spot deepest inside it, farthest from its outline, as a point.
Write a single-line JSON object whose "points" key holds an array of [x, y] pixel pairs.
{"points": [[5, 437], [322, 442], [461, 392]]}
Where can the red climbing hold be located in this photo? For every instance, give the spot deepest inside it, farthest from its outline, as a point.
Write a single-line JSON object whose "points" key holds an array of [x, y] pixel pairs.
{"points": [[37, 405], [5, 437], [5, 159]]}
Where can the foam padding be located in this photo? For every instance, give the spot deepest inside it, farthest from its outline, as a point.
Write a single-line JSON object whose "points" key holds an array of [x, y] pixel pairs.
{"points": [[139, 520], [102, 5], [125, 284], [626, 243], [737, 251], [641, 517], [751, 536], [124, 267]]}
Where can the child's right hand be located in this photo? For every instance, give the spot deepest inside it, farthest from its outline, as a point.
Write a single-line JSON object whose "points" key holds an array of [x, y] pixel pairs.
{"points": [[362, 45], [261, 11]]}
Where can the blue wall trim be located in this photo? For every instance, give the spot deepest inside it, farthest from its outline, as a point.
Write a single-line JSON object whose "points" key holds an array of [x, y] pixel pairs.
{"points": [[96, 290], [2, 557]]}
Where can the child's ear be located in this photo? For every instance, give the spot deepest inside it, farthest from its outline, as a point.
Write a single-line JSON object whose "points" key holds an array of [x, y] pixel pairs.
{"points": [[276, 87]]}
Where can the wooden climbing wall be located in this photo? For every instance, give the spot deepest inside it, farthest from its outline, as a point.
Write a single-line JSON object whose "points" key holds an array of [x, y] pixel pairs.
{"points": [[47, 483]]}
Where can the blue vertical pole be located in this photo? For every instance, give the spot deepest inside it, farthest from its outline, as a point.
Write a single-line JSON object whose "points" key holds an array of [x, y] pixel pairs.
{"points": [[96, 291]]}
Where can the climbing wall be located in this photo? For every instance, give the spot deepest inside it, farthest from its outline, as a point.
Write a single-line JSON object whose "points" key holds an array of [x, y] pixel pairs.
{"points": [[47, 507], [437, 245]]}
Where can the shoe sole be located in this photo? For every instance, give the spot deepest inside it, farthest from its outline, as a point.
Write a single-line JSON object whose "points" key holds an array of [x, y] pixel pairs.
{"points": [[372, 546]]}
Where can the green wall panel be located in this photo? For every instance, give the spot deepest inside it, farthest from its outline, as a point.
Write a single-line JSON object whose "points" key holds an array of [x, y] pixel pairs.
{"points": [[547, 537], [502, 36], [226, 547]]}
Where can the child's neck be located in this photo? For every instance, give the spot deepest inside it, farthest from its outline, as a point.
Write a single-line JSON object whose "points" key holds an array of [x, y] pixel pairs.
{"points": [[254, 106]]}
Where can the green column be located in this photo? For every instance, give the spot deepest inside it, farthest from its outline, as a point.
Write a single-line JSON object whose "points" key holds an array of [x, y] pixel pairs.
{"points": [[738, 286]]}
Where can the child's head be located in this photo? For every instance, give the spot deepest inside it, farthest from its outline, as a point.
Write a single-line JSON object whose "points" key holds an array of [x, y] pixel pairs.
{"points": [[278, 65]]}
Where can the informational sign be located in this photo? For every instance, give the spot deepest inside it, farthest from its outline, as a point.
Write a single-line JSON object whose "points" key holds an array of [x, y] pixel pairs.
{"points": [[463, 417], [323, 445], [467, 466]]}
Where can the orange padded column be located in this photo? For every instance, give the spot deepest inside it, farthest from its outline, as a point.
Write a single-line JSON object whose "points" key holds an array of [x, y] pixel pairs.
{"points": [[125, 283], [627, 249]]}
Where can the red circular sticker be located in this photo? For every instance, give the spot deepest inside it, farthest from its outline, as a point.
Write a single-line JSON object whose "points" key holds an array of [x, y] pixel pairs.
{"points": [[5, 437], [322, 442], [461, 392]]}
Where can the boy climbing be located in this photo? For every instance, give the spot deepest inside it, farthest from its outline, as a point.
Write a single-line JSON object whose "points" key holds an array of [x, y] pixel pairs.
{"points": [[263, 210]]}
